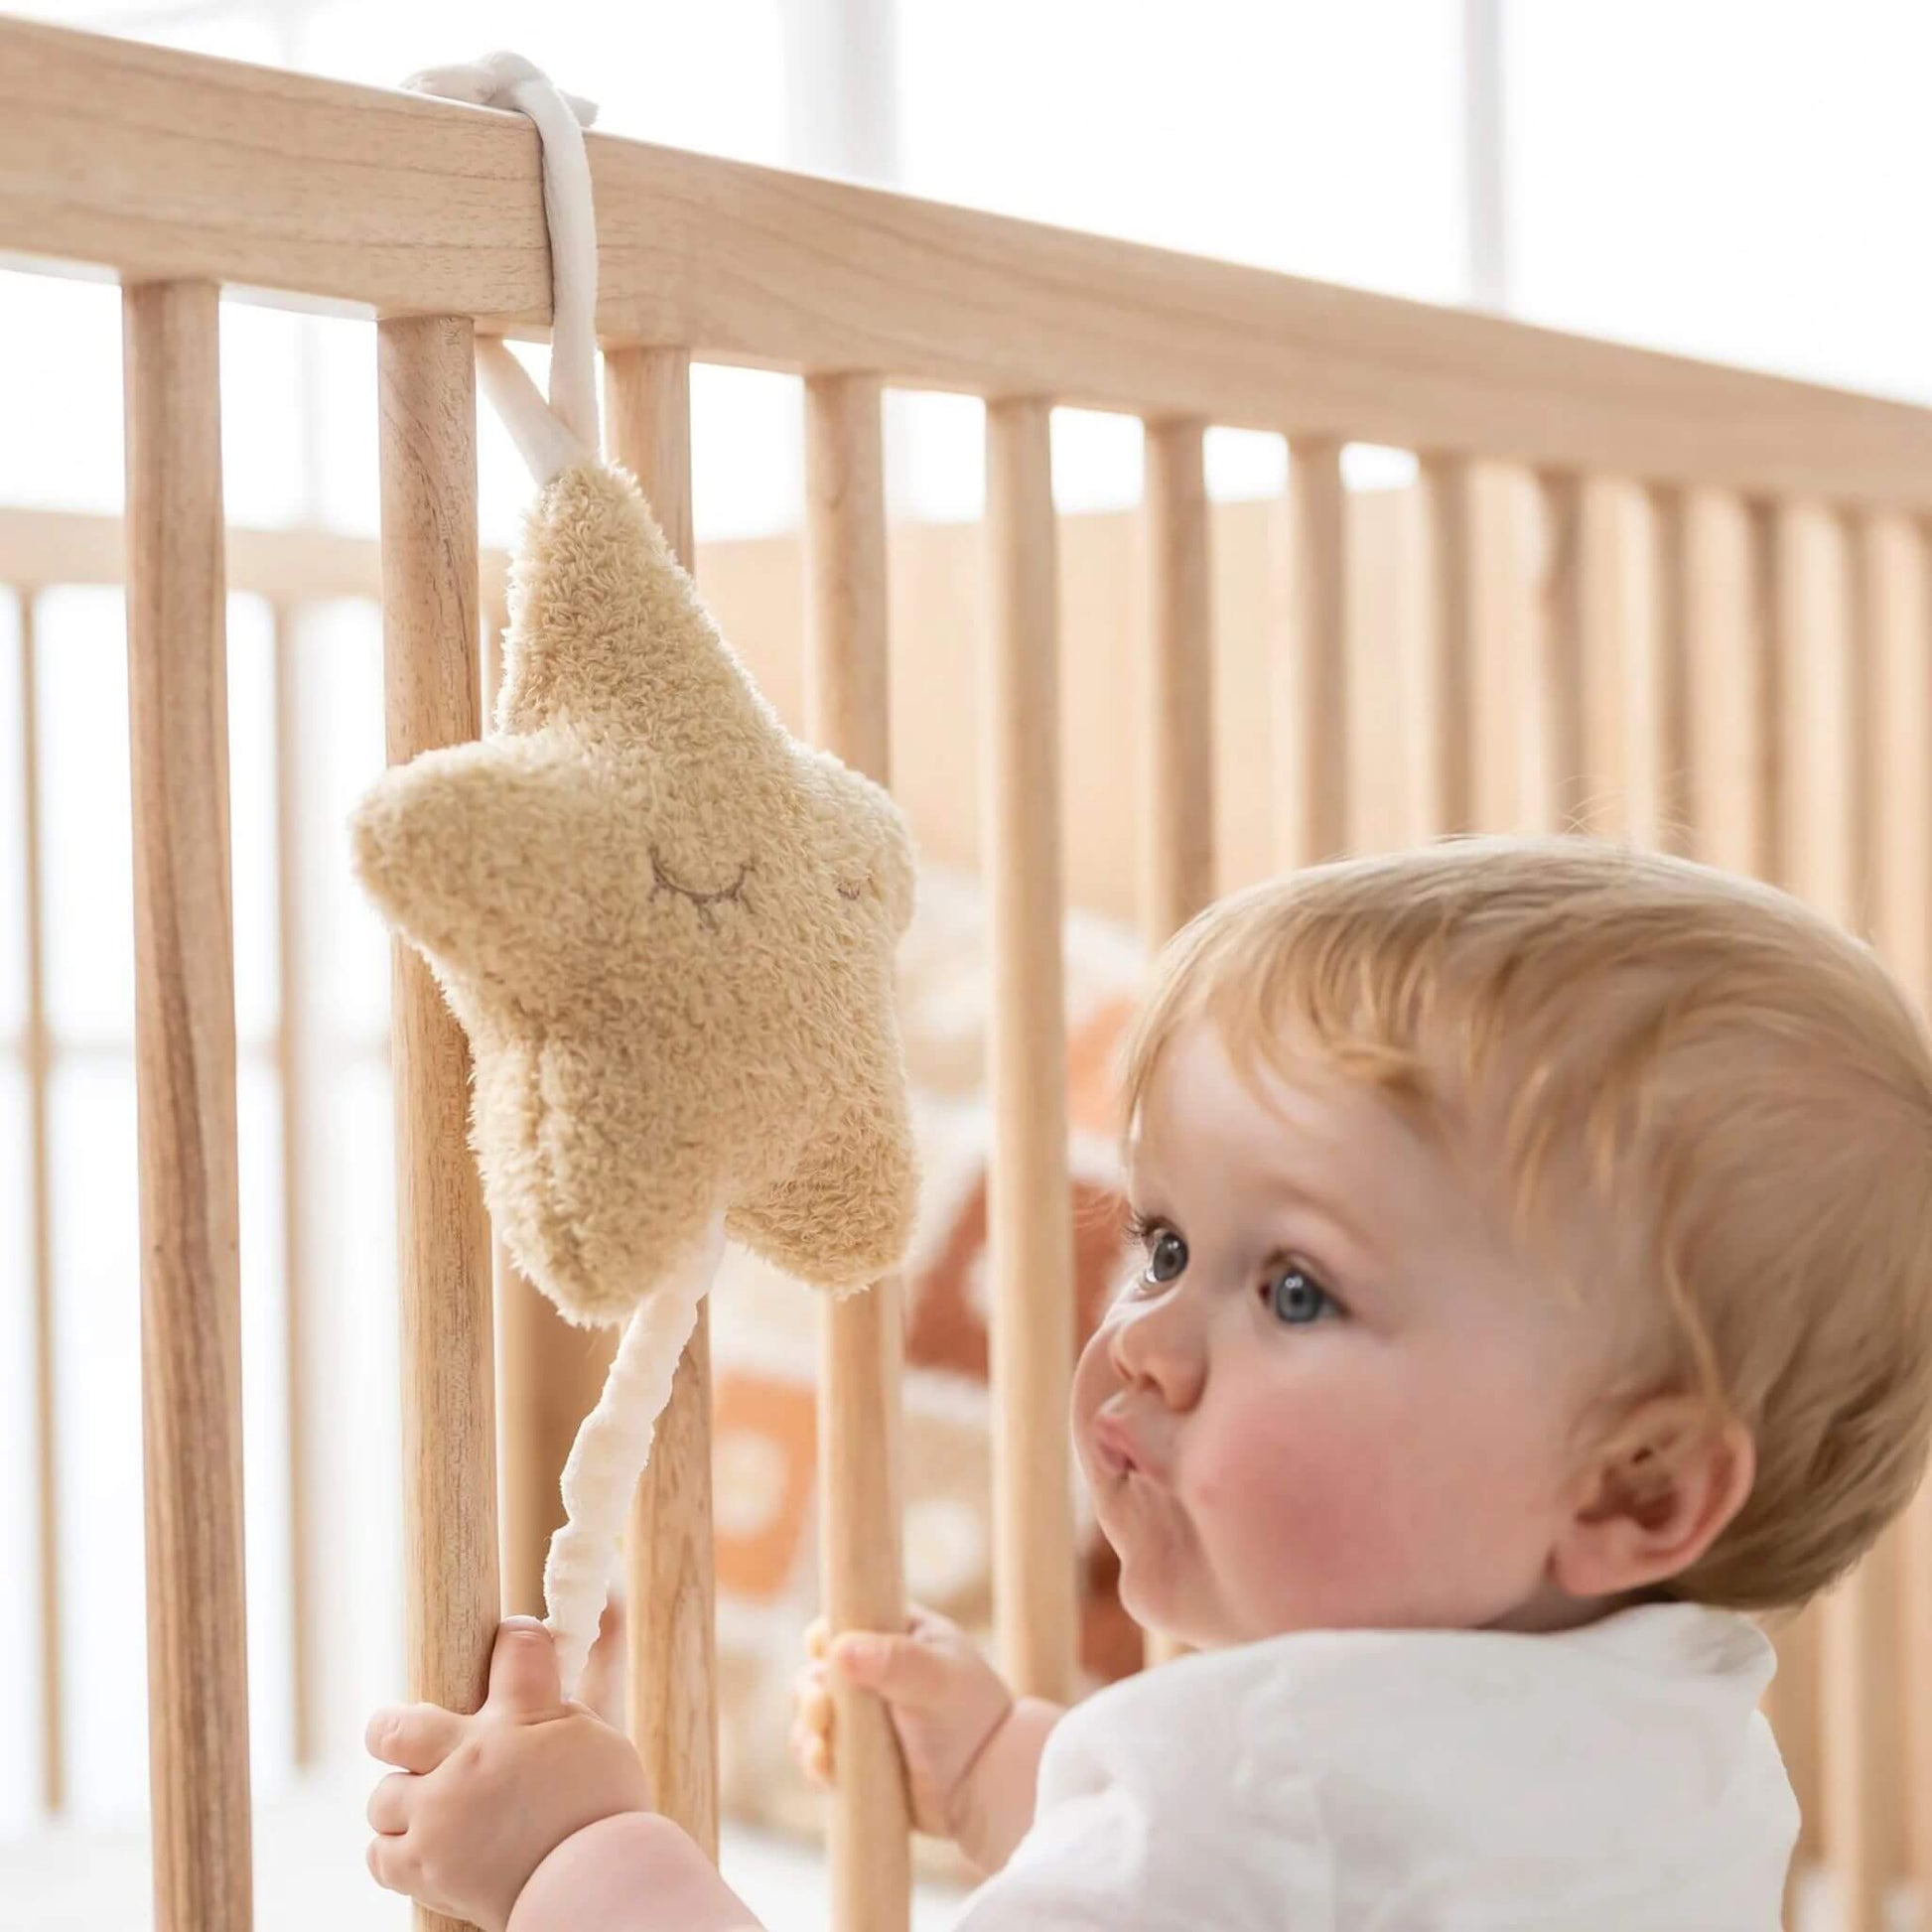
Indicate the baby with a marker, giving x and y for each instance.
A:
(1535, 1275)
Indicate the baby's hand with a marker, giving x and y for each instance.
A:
(947, 1702)
(480, 1802)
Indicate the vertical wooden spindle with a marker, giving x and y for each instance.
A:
(427, 384)
(863, 1336)
(1177, 826)
(307, 1572)
(1804, 776)
(672, 1592)
(1900, 804)
(40, 1186)
(1030, 1248)
(549, 1373)
(1560, 793)
(1668, 809)
(1311, 674)
(1449, 630)
(1825, 758)
(1771, 588)
(185, 1079)
(1727, 619)
(1177, 669)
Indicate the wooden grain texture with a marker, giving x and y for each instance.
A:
(1504, 509)
(38, 1056)
(938, 590)
(289, 566)
(672, 1589)
(1311, 675)
(1450, 628)
(1898, 564)
(549, 1373)
(308, 1569)
(184, 1082)
(1822, 1709)
(159, 162)
(1560, 785)
(1176, 835)
(1842, 600)
(426, 378)
(1030, 1244)
(1672, 633)
(862, 1340)
(1915, 1617)
(1176, 676)
(1729, 607)
(1617, 782)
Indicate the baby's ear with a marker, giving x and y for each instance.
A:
(1651, 1497)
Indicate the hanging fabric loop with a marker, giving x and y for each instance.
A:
(565, 432)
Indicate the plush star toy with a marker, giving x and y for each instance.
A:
(666, 926)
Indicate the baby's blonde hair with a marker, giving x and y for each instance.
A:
(1700, 1096)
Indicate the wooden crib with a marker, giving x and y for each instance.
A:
(1682, 603)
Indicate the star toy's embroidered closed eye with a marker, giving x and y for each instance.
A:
(666, 926)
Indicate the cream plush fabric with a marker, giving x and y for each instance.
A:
(668, 928)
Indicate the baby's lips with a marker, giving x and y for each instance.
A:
(1114, 1446)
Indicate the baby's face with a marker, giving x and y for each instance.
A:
(1334, 1396)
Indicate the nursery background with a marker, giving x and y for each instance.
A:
(1723, 178)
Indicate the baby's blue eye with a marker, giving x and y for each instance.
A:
(1297, 1297)
(1167, 1256)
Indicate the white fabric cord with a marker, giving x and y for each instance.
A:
(611, 1452)
(509, 80)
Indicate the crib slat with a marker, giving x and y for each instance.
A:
(1178, 701)
(671, 1620)
(1310, 670)
(1728, 599)
(1177, 826)
(1892, 628)
(863, 1336)
(1862, 1732)
(1668, 804)
(306, 1576)
(39, 1068)
(427, 383)
(1559, 793)
(1898, 565)
(1794, 1702)
(184, 1068)
(1449, 630)
(1814, 673)
(1030, 1247)
(548, 1373)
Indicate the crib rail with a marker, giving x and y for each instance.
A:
(157, 163)
(1726, 652)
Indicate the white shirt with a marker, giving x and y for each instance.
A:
(1617, 1778)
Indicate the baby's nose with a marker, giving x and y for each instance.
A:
(1158, 1344)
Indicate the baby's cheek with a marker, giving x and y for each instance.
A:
(1298, 1504)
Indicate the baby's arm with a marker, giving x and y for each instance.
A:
(972, 1752)
(634, 1872)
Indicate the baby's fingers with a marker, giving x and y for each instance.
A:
(389, 1801)
(903, 1670)
(812, 1723)
(414, 1736)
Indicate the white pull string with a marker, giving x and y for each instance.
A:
(509, 80)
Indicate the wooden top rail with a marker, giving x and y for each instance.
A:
(298, 564)
(156, 163)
